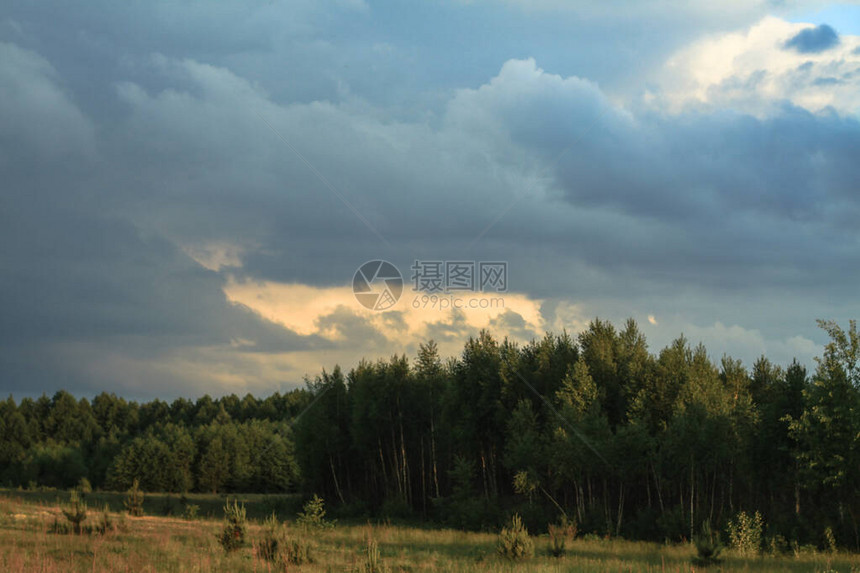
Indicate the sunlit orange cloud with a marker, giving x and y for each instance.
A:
(304, 309)
(236, 366)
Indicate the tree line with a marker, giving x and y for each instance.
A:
(211, 445)
(593, 427)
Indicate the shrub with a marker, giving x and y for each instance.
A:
(134, 500)
(514, 541)
(525, 484)
(313, 514)
(802, 550)
(297, 553)
(84, 486)
(777, 545)
(830, 540)
(372, 557)
(560, 534)
(277, 548)
(76, 511)
(60, 527)
(673, 524)
(272, 534)
(745, 532)
(708, 547)
(105, 523)
(191, 510)
(121, 524)
(232, 537)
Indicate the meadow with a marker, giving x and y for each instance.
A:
(180, 544)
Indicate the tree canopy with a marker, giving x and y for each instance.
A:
(594, 426)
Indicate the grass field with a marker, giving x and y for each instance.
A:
(175, 544)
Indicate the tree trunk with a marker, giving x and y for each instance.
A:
(334, 476)
(405, 465)
(382, 464)
(484, 474)
(657, 486)
(423, 482)
(433, 454)
(692, 490)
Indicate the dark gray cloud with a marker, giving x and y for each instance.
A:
(129, 140)
(76, 270)
(351, 330)
(513, 323)
(814, 40)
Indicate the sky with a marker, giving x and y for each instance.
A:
(188, 188)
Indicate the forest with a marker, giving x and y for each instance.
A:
(594, 427)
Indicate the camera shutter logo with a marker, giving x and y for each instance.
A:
(377, 285)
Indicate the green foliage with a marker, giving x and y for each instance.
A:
(560, 534)
(372, 557)
(745, 532)
(470, 513)
(53, 464)
(708, 547)
(464, 508)
(134, 500)
(191, 511)
(232, 536)
(578, 390)
(633, 443)
(84, 486)
(275, 547)
(800, 551)
(296, 552)
(269, 546)
(395, 508)
(514, 542)
(462, 474)
(827, 432)
(105, 523)
(312, 515)
(60, 527)
(830, 540)
(524, 448)
(777, 545)
(525, 484)
(75, 511)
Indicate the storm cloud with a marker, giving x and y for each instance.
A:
(178, 191)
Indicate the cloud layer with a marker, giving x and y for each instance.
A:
(179, 220)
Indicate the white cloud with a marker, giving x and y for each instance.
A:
(749, 344)
(754, 71)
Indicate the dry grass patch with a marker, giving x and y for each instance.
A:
(150, 544)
